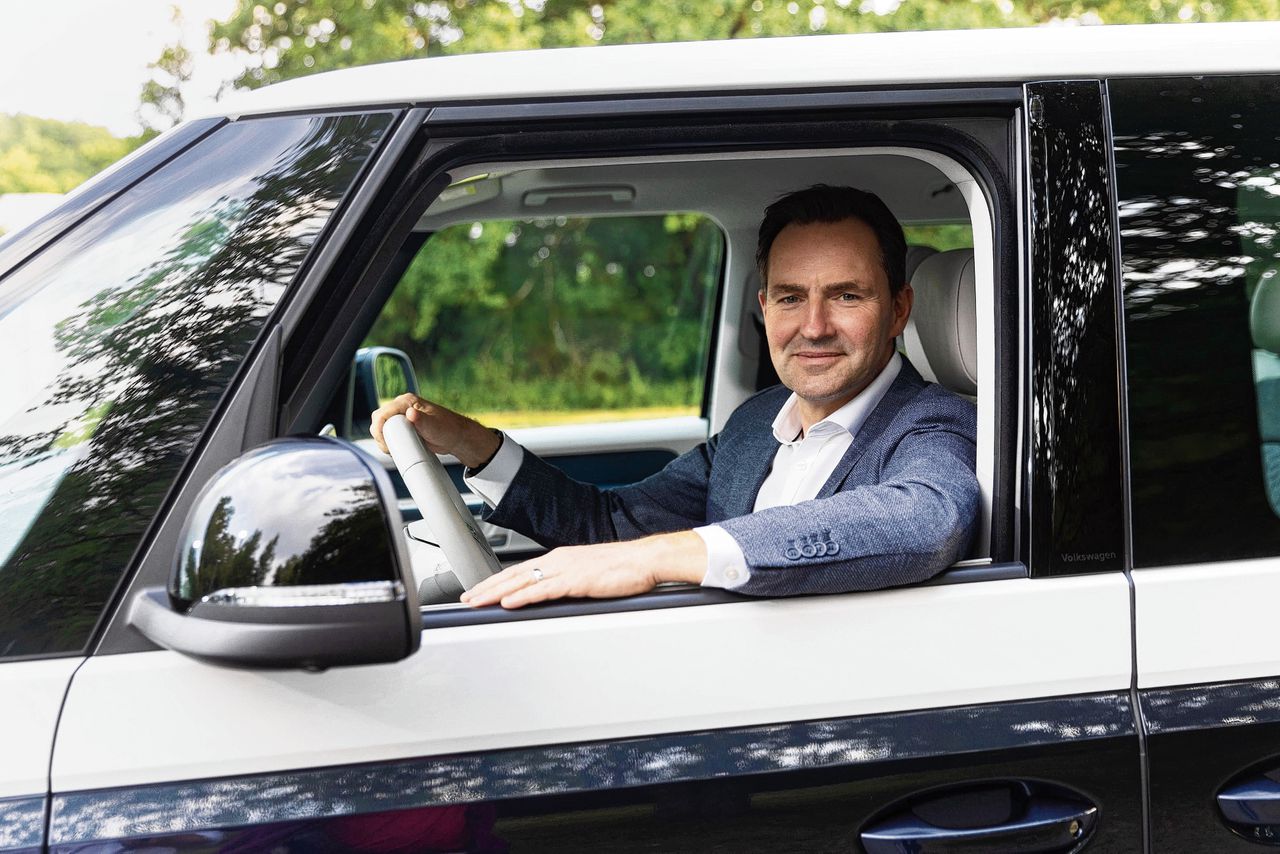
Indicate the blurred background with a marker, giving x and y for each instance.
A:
(91, 81)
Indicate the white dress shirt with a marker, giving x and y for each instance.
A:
(800, 467)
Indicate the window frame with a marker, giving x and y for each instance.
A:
(986, 227)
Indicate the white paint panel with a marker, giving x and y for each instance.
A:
(601, 676)
(1208, 623)
(775, 64)
(32, 693)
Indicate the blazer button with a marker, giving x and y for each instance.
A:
(792, 553)
(809, 550)
(822, 549)
(832, 547)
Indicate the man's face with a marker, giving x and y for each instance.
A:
(828, 314)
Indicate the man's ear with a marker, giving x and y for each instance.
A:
(760, 296)
(903, 300)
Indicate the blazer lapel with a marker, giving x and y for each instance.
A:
(755, 459)
(905, 386)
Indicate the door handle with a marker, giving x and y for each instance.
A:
(1046, 824)
(1252, 809)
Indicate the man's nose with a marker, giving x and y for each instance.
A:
(817, 320)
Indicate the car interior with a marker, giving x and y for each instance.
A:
(949, 339)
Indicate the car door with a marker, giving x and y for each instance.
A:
(1199, 210)
(991, 706)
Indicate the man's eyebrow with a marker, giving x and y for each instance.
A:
(830, 287)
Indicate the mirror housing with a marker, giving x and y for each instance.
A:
(377, 374)
(291, 556)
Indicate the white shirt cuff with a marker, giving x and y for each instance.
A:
(494, 479)
(726, 565)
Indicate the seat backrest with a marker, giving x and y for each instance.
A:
(941, 337)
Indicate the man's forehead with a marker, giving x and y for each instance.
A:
(825, 248)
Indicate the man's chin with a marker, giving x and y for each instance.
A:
(823, 393)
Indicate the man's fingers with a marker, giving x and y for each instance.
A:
(494, 588)
(402, 405)
(517, 586)
(548, 588)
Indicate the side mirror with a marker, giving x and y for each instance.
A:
(377, 374)
(291, 557)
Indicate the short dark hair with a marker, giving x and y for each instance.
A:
(824, 203)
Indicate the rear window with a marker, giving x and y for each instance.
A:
(1198, 168)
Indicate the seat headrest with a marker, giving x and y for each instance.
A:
(916, 254)
(941, 337)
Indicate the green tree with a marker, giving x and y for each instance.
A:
(291, 38)
(162, 103)
(49, 156)
(559, 313)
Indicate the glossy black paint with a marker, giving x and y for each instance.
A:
(22, 824)
(1251, 808)
(1197, 161)
(1204, 739)
(999, 817)
(1228, 704)
(1076, 485)
(861, 748)
(297, 511)
(737, 105)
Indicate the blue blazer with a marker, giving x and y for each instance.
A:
(900, 506)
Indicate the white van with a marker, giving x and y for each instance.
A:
(211, 637)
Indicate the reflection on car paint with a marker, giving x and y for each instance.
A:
(21, 824)
(126, 363)
(97, 816)
(1204, 707)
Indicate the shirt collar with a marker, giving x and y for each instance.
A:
(848, 418)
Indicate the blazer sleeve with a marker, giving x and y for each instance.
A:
(555, 510)
(916, 521)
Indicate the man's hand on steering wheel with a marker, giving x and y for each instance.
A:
(601, 571)
(443, 431)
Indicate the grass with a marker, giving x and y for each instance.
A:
(504, 420)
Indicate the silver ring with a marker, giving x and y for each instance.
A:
(537, 575)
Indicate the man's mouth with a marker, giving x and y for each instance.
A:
(817, 354)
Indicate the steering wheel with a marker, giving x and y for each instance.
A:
(455, 530)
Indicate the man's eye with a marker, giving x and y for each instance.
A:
(790, 299)
(849, 297)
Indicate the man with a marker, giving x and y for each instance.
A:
(854, 474)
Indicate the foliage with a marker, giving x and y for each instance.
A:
(559, 313)
(162, 104)
(291, 38)
(49, 156)
(940, 237)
